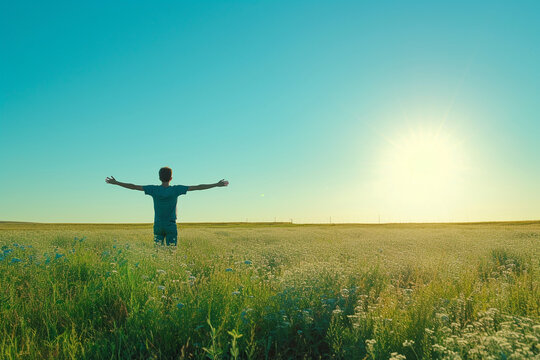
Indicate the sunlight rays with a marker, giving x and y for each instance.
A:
(420, 174)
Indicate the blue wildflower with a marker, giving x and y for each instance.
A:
(58, 256)
(179, 306)
(248, 262)
(15, 260)
(7, 251)
(228, 269)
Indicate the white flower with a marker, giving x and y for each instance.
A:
(370, 343)
(408, 343)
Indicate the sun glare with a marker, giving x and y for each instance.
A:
(420, 175)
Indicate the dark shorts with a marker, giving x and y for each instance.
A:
(167, 231)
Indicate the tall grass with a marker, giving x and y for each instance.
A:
(271, 292)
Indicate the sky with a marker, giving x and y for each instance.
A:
(315, 111)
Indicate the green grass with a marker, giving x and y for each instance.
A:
(270, 291)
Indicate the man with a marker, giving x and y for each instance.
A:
(165, 197)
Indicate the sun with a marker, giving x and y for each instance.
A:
(420, 175)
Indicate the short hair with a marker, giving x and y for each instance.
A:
(165, 174)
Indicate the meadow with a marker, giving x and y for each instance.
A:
(271, 291)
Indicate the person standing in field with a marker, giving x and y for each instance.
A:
(165, 197)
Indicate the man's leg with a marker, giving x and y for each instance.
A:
(159, 234)
(171, 234)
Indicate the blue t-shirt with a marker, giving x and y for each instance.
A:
(165, 201)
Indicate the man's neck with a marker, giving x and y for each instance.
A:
(165, 184)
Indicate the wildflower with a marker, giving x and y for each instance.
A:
(408, 343)
(161, 287)
(58, 256)
(179, 306)
(160, 271)
(236, 292)
(396, 356)
(337, 311)
(370, 343)
(248, 262)
(438, 348)
(228, 270)
(15, 260)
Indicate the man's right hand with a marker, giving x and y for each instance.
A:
(111, 180)
(222, 182)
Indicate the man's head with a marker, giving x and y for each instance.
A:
(165, 174)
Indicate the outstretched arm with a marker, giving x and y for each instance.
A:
(112, 180)
(220, 183)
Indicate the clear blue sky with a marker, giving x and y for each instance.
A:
(301, 105)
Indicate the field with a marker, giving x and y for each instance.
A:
(271, 291)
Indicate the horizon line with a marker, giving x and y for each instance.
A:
(522, 222)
